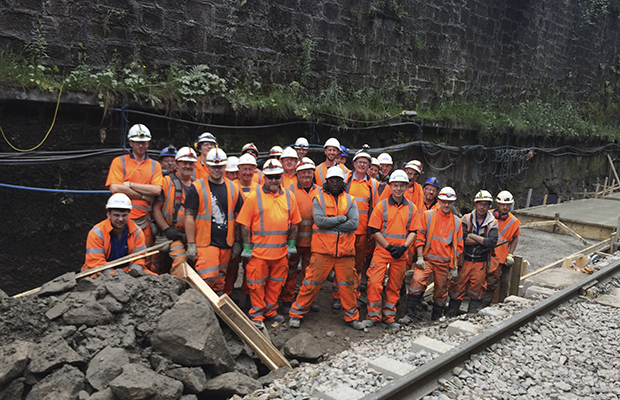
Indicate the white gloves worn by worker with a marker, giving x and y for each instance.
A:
(420, 264)
(192, 253)
(452, 275)
(509, 260)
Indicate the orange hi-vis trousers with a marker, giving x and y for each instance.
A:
(361, 242)
(288, 292)
(316, 273)
(171, 261)
(265, 279)
(419, 282)
(471, 281)
(231, 276)
(211, 266)
(386, 311)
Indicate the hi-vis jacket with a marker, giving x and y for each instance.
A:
(304, 202)
(442, 237)
(330, 236)
(366, 194)
(508, 228)
(172, 209)
(321, 172)
(488, 230)
(205, 214)
(98, 245)
(394, 221)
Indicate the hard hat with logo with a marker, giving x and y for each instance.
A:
(399, 176)
(249, 147)
(273, 167)
(335, 172)
(305, 163)
(275, 151)
(247, 159)
(433, 182)
(302, 143)
(232, 164)
(216, 157)
(289, 152)
(206, 137)
(483, 195)
(374, 161)
(384, 158)
(139, 133)
(332, 142)
(120, 201)
(169, 151)
(504, 197)
(447, 194)
(186, 154)
(344, 152)
(362, 154)
(415, 165)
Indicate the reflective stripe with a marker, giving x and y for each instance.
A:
(350, 313)
(438, 258)
(149, 208)
(389, 312)
(374, 313)
(508, 225)
(124, 168)
(278, 280)
(345, 283)
(136, 267)
(269, 233)
(95, 251)
(374, 304)
(270, 245)
(140, 248)
(362, 212)
(385, 219)
(98, 232)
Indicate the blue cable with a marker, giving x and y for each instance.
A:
(52, 190)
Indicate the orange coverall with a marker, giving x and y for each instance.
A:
(508, 228)
(98, 246)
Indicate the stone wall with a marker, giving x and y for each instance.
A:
(490, 49)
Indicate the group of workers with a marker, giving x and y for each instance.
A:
(370, 228)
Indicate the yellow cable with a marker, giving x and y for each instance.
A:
(46, 135)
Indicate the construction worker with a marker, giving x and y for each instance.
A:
(385, 162)
(501, 258)
(167, 160)
(374, 168)
(275, 152)
(232, 168)
(304, 190)
(301, 147)
(342, 157)
(211, 206)
(414, 190)
(480, 234)
(439, 245)
(204, 144)
(115, 237)
(333, 248)
(331, 148)
(393, 223)
(269, 220)
(140, 178)
(430, 190)
(250, 148)
(289, 161)
(168, 213)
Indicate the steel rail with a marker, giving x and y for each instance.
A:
(423, 380)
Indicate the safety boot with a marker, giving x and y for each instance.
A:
(412, 304)
(474, 306)
(437, 312)
(453, 308)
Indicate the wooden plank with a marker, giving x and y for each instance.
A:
(613, 168)
(515, 275)
(538, 224)
(574, 234)
(232, 315)
(605, 185)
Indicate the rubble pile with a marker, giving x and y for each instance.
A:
(121, 336)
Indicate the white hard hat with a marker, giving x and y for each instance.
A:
(289, 152)
(399, 176)
(232, 164)
(384, 158)
(247, 159)
(364, 155)
(332, 142)
(119, 200)
(305, 163)
(483, 195)
(249, 146)
(447, 193)
(275, 151)
(374, 161)
(415, 165)
(206, 137)
(335, 172)
(139, 133)
(273, 167)
(186, 154)
(504, 197)
(216, 157)
(302, 143)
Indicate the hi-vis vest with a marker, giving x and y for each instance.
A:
(365, 204)
(445, 249)
(507, 229)
(304, 202)
(98, 245)
(266, 239)
(393, 230)
(329, 241)
(321, 172)
(205, 212)
(173, 210)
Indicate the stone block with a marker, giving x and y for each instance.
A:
(430, 345)
(390, 366)
(608, 300)
(464, 327)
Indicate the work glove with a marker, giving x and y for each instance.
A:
(420, 264)
(192, 253)
(292, 246)
(400, 250)
(172, 234)
(247, 250)
(453, 274)
(236, 250)
(509, 260)
(391, 249)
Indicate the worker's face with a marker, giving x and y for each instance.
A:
(232, 175)
(413, 175)
(186, 169)
(361, 165)
(430, 192)
(504, 208)
(273, 182)
(331, 153)
(398, 190)
(139, 148)
(341, 159)
(301, 152)
(335, 184)
(289, 164)
(482, 207)
(385, 169)
(446, 206)
(373, 170)
(118, 218)
(168, 163)
(252, 153)
(216, 172)
(246, 172)
(305, 177)
(205, 147)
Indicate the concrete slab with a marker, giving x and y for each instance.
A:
(337, 392)
(430, 345)
(464, 327)
(594, 211)
(608, 300)
(557, 278)
(614, 196)
(391, 367)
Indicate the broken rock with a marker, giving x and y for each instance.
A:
(139, 382)
(232, 383)
(61, 284)
(65, 383)
(13, 360)
(302, 347)
(105, 366)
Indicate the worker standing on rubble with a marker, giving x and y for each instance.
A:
(305, 191)
(140, 178)
(210, 209)
(501, 258)
(439, 246)
(269, 220)
(115, 237)
(393, 223)
(289, 161)
(480, 234)
(333, 248)
(169, 213)
(331, 148)
(204, 144)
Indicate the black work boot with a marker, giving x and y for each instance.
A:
(412, 304)
(453, 308)
(437, 312)
(474, 306)
(486, 301)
